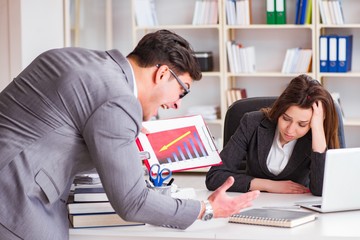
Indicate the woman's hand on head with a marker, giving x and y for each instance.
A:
(317, 128)
(318, 116)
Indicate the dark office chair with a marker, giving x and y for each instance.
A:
(237, 110)
(242, 106)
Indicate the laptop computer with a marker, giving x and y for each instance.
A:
(341, 178)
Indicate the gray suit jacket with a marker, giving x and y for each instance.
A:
(69, 111)
(252, 140)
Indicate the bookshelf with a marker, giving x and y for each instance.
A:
(89, 24)
(100, 25)
(271, 42)
(344, 83)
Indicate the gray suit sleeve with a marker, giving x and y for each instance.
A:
(110, 135)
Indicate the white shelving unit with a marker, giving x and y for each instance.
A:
(271, 43)
(89, 24)
(346, 84)
(100, 25)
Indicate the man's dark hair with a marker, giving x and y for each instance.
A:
(166, 47)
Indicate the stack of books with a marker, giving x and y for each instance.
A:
(235, 94)
(331, 12)
(205, 12)
(297, 60)
(241, 59)
(90, 207)
(238, 12)
(87, 178)
(145, 13)
(208, 112)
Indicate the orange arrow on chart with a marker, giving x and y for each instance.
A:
(165, 147)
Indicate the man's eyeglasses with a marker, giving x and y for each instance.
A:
(182, 84)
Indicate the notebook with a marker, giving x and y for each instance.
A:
(273, 217)
(341, 170)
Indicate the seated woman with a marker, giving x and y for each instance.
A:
(284, 145)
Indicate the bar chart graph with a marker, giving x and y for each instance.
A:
(182, 144)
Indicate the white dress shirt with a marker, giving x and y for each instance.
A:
(278, 156)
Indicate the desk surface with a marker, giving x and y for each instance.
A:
(341, 225)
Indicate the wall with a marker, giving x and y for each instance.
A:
(27, 28)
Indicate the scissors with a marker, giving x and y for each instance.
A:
(157, 175)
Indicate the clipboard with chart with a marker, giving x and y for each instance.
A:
(179, 143)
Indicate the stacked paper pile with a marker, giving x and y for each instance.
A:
(208, 112)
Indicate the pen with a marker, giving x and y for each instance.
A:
(170, 182)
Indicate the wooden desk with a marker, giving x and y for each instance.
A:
(342, 225)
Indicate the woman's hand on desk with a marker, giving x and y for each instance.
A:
(224, 205)
(271, 186)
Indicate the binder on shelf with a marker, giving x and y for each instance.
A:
(339, 12)
(229, 52)
(196, 15)
(333, 53)
(303, 6)
(145, 13)
(308, 12)
(344, 53)
(323, 54)
(332, 12)
(322, 12)
(242, 12)
(297, 12)
(280, 12)
(270, 12)
(248, 15)
(327, 18)
(205, 12)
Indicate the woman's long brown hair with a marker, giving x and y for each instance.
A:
(303, 91)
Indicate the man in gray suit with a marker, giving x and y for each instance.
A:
(72, 110)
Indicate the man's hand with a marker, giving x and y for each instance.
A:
(144, 130)
(224, 205)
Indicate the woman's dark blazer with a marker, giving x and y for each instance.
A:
(252, 141)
